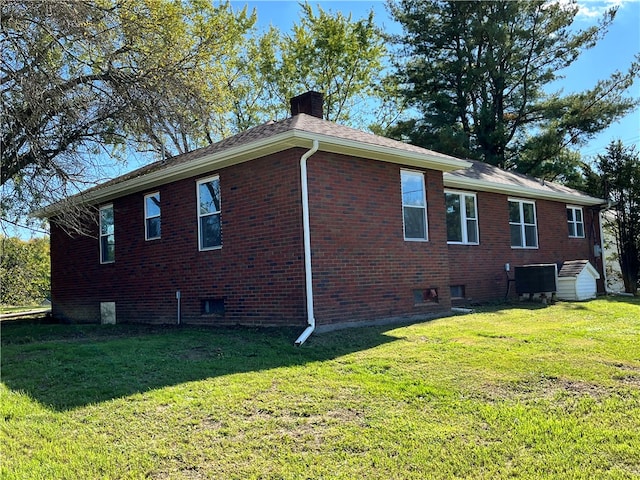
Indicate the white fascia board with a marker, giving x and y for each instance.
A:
(382, 153)
(517, 190)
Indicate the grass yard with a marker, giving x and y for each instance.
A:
(515, 391)
(17, 309)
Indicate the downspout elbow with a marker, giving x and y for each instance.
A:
(306, 233)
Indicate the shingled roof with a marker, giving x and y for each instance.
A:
(271, 137)
(573, 268)
(484, 177)
(301, 130)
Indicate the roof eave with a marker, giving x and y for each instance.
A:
(179, 171)
(517, 190)
(382, 153)
(256, 149)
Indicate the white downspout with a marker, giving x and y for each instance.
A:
(311, 321)
(602, 255)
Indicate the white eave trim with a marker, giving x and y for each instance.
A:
(260, 148)
(383, 153)
(518, 190)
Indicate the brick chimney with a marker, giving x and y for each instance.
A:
(309, 103)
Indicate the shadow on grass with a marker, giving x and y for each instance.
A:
(69, 366)
(631, 300)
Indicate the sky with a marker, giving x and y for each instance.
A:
(614, 52)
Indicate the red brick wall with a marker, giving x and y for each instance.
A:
(363, 269)
(259, 272)
(362, 266)
(480, 268)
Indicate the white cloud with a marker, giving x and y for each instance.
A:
(592, 9)
(595, 9)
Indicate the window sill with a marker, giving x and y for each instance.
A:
(209, 249)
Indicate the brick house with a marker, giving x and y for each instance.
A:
(521, 220)
(306, 222)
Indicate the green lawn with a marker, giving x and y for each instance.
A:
(16, 309)
(516, 391)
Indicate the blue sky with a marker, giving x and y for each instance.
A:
(614, 52)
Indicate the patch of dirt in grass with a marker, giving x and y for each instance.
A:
(305, 431)
(198, 353)
(632, 380)
(209, 423)
(190, 473)
(467, 341)
(578, 388)
(628, 375)
(547, 388)
(497, 336)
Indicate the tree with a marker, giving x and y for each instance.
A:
(616, 177)
(82, 80)
(24, 270)
(329, 53)
(479, 75)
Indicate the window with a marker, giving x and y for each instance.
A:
(462, 218)
(575, 221)
(522, 223)
(107, 235)
(414, 205)
(152, 216)
(429, 295)
(212, 306)
(209, 214)
(457, 291)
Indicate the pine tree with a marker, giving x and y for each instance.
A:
(478, 75)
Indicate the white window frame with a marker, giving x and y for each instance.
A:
(101, 235)
(463, 217)
(415, 173)
(200, 215)
(574, 222)
(523, 225)
(148, 217)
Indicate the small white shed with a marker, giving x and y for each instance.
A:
(577, 280)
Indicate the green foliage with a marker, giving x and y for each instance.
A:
(516, 392)
(328, 53)
(479, 73)
(616, 177)
(81, 79)
(84, 80)
(24, 271)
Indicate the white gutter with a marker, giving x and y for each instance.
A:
(311, 321)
